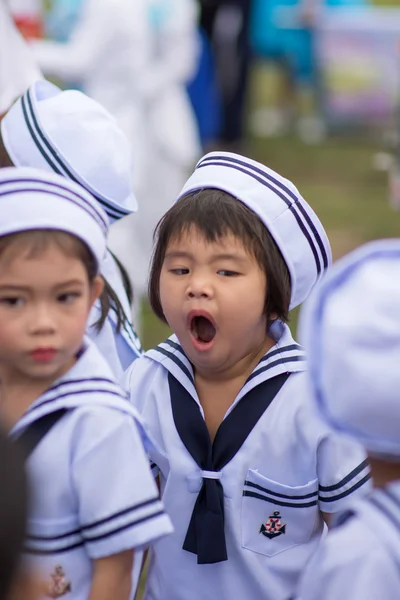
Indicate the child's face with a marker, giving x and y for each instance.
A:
(44, 305)
(213, 297)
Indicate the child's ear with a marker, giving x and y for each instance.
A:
(96, 289)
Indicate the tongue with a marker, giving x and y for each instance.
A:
(205, 329)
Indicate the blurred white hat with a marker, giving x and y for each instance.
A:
(72, 135)
(350, 328)
(34, 199)
(295, 227)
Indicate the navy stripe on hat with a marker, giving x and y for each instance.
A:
(55, 189)
(292, 201)
(55, 160)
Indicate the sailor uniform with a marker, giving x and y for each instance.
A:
(93, 493)
(272, 468)
(70, 134)
(360, 559)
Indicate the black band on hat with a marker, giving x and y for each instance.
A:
(292, 201)
(55, 161)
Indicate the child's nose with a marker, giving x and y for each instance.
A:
(199, 287)
(42, 320)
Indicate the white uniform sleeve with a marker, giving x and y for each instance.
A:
(119, 505)
(347, 567)
(177, 63)
(100, 21)
(342, 470)
(135, 382)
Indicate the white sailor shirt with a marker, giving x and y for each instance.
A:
(119, 348)
(360, 558)
(93, 494)
(287, 468)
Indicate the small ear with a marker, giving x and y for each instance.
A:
(97, 287)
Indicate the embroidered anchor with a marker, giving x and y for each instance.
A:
(273, 527)
(58, 585)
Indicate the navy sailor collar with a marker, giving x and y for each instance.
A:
(286, 356)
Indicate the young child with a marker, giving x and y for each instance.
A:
(94, 499)
(71, 134)
(351, 330)
(246, 470)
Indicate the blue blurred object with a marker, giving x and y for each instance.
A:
(204, 95)
(276, 33)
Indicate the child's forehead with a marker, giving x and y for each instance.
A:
(192, 236)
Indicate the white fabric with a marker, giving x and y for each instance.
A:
(361, 558)
(351, 331)
(290, 454)
(71, 134)
(17, 65)
(292, 223)
(33, 199)
(121, 348)
(82, 507)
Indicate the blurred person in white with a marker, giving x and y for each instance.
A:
(136, 58)
(17, 580)
(73, 135)
(17, 65)
(350, 329)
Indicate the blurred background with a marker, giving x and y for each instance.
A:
(311, 88)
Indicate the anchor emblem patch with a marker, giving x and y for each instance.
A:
(273, 527)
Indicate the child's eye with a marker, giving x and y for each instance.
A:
(179, 271)
(12, 301)
(68, 297)
(227, 273)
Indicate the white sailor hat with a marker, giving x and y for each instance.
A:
(34, 199)
(292, 223)
(71, 134)
(350, 328)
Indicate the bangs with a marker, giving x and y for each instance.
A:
(213, 215)
(31, 244)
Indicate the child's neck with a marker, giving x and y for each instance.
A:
(15, 399)
(383, 472)
(18, 393)
(217, 391)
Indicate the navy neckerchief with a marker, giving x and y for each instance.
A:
(206, 535)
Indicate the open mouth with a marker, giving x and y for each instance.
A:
(202, 329)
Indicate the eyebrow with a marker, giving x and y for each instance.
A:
(222, 256)
(26, 288)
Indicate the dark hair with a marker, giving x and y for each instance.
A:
(5, 160)
(110, 301)
(13, 512)
(215, 213)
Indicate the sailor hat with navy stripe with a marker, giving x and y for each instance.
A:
(292, 223)
(34, 199)
(72, 135)
(350, 328)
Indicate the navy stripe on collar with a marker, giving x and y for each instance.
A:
(172, 356)
(280, 189)
(51, 157)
